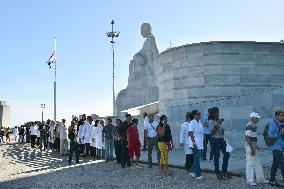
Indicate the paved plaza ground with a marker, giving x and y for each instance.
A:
(23, 167)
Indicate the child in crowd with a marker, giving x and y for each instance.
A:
(133, 142)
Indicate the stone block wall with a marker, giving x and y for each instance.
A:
(238, 77)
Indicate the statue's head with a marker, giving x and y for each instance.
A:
(146, 30)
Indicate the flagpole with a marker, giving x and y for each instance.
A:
(55, 78)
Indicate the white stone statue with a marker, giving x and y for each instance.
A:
(143, 67)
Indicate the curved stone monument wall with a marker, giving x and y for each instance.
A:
(215, 70)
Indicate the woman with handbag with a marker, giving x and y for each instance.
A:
(218, 143)
(165, 144)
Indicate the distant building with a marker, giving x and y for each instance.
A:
(4, 114)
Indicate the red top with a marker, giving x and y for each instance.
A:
(133, 135)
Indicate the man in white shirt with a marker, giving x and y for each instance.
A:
(253, 165)
(150, 130)
(87, 135)
(33, 134)
(195, 131)
(184, 143)
(63, 138)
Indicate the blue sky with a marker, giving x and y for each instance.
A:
(84, 62)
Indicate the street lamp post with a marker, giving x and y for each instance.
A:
(42, 107)
(112, 35)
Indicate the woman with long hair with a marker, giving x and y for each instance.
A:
(218, 143)
(164, 143)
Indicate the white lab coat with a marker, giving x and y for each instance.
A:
(15, 132)
(81, 134)
(87, 132)
(184, 138)
(51, 134)
(99, 137)
(93, 136)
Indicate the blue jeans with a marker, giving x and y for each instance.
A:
(196, 163)
(219, 144)
(109, 146)
(278, 161)
(207, 139)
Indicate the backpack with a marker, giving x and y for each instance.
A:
(268, 141)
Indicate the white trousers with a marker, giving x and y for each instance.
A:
(63, 146)
(253, 166)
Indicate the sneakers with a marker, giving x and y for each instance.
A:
(192, 174)
(199, 178)
(275, 184)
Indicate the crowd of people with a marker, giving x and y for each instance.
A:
(195, 135)
(97, 139)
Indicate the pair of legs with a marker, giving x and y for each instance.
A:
(109, 145)
(124, 154)
(219, 144)
(99, 153)
(164, 158)
(134, 149)
(117, 147)
(151, 143)
(33, 138)
(73, 148)
(87, 147)
(189, 159)
(1, 139)
(93, 151)
(253, 166)
(207, 139)
(196, 162)
(8, 138)
(278, 162)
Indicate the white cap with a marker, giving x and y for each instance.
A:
(253, 114)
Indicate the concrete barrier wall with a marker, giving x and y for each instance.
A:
(238, 77)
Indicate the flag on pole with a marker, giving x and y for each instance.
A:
(51, 60)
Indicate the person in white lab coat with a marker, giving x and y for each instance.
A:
(63, 138)
(87, 135)
(80, 129)
(93, 139)
(51, 138)
(99, 139)
(184, 143)
(81, 142)
(15, 133)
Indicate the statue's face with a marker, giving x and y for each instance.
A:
(145, 30)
